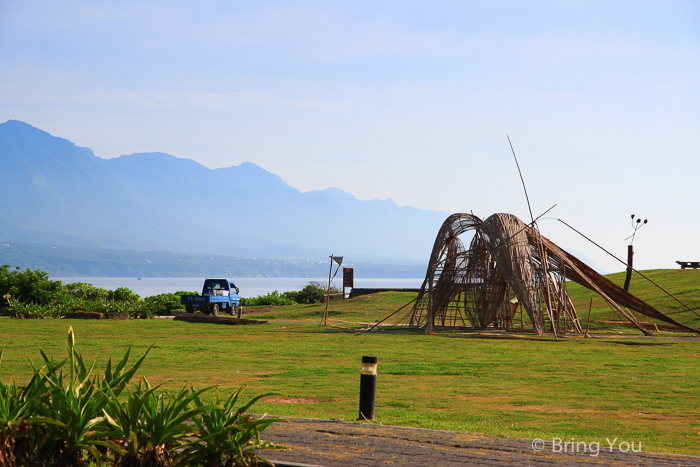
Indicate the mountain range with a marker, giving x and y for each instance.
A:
(55, 192)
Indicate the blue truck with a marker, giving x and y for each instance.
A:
(217, 295)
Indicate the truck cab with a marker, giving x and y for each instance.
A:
(219, 287)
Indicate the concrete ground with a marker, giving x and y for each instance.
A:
(332, 443)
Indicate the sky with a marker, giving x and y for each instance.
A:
(409, 101)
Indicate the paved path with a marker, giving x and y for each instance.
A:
(332, 443)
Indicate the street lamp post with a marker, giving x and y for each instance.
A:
(630, 251)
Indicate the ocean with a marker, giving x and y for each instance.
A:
(250, 286)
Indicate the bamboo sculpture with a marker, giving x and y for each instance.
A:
(509, 264)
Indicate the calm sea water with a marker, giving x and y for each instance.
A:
(250, 286)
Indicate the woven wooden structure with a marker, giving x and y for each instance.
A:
(508, 265)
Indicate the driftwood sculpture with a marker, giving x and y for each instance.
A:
(509, 264)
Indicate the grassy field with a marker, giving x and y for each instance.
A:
(585, 389)
(684, 284)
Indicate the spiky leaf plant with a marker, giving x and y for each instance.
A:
(69, 415)
(227, 436)
(72, 422)
(154, 424)
(16, 407)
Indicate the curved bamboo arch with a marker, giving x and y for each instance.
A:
(509, 262)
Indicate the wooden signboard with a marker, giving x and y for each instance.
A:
(347, 281)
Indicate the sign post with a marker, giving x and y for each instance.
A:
(348, 282)
(339, 260)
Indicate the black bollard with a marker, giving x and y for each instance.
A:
(368, 387)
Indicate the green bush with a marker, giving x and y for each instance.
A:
(35, 296)
(227, 435)
(273, 298)
(164, 303)
(27, 286)
(30, 294)
(69, 415)
(122, 294)
(312, 293)
(88, 292)
(18, 309)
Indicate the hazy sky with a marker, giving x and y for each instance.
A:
(404, 100)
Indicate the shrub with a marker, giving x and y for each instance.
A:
(30, 294)
(313, 292)
(88, 292)
(273, 298)
(17, 309)
(163, 303)
(122, 294)
(35, 296)
(136, 309)
(27, 286)
(227, 435)
(67, 415)
(57, 418)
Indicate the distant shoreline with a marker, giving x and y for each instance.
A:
(249, 286)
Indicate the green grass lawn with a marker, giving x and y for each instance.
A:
(585, 389)
(684, 284)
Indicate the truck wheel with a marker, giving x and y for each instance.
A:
(189, 309)
(231, 310)
(215, 309)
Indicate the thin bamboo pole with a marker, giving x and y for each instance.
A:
(522, 324)
(590, 307)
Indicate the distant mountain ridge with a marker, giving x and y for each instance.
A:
(54, 191)
(72, 261)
